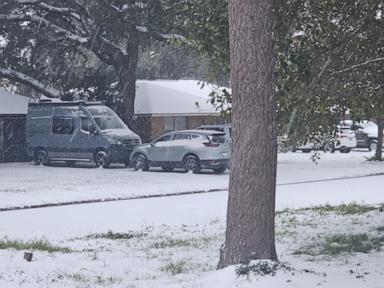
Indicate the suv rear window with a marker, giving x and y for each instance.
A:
(217, 138)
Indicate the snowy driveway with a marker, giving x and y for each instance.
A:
(23, 184)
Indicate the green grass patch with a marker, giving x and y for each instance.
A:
(77, 277)
(174, 243)
(40, 245)
(342, 243)
(344, 209)
(175, 268)
(116, 236)
(261, 267)
(106, 281)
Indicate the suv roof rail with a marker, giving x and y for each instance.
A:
(47, 102)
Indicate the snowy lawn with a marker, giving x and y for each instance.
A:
(24, 184)
(174, 242)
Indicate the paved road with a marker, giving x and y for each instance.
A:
(69, 221)
(89, 201)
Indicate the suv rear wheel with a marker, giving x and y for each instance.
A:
(192, 163)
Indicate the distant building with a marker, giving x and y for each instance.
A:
(13, 109)
(167, 105)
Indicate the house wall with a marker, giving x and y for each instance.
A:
(13, 145)
(157, 123)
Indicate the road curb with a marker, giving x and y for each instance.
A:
(90, 201)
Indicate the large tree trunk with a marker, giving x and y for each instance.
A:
(379, 148)
(250, 230)
(126, 70)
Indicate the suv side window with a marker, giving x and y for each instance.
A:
(195, 136)
(181, 136)
(166, 137)
(63, 125)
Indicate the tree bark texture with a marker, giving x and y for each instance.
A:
(250, 230)
(126, 70)
(379, 148)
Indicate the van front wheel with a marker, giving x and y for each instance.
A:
(101, 159)
(41, 157)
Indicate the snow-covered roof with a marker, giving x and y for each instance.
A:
(156, 97)
(173, 97)
(11, 104)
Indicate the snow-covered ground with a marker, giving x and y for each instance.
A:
(174, 241)
(23, 184)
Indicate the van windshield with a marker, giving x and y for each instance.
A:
(105, 118)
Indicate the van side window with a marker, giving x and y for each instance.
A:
(63, 125)
(85, 124)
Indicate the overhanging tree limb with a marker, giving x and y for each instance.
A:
(40, 20)
(360, 64)
(163, 36)
(30, 82)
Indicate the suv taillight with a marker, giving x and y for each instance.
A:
(211, 144)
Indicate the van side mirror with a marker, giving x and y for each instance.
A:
(92, 130)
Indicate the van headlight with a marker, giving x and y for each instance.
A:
(115, 142)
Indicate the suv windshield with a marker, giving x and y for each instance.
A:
(105, 118)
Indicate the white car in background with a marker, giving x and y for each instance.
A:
(366, 133)
(344, 141)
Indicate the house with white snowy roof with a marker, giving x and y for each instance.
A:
(167, 105)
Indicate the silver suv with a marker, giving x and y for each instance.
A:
(225, 128)
(191, 150)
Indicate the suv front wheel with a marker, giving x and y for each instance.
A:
(140, 162)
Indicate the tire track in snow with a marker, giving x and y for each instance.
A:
(100, 200)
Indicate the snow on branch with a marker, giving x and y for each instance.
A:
(40, 20)
(29, 81)
(360, 64)
(163, 36)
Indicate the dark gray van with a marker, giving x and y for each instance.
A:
(74, 131)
